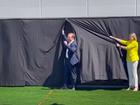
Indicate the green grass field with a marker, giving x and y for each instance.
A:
(46, 96)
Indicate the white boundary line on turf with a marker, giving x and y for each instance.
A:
(46, 97)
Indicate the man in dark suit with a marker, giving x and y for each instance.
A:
(71, 59)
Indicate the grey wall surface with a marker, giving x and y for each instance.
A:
(68, 8)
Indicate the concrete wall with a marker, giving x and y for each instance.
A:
(68, 8)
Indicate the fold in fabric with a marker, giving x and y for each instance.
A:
(31, 50)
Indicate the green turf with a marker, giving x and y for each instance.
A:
(45, 96)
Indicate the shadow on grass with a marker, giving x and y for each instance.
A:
(92, 89)
(56, 104)
(89, 88)
(46, 88)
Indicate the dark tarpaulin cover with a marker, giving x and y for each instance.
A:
(31, 50)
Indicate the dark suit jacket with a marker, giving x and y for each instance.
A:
(72, 55)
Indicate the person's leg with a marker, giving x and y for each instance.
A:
(66, 73)
(135, 75)
(73, 76)
(130, 78)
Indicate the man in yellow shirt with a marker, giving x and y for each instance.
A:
(132, 59)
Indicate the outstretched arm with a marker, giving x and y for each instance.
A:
(124, 42)
(123, 47)
(117, 39)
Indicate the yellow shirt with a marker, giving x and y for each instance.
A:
(132, 50)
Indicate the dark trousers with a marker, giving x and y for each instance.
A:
(70, 73)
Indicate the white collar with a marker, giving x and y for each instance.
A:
(71, 42)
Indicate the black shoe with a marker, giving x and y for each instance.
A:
(64, 87)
